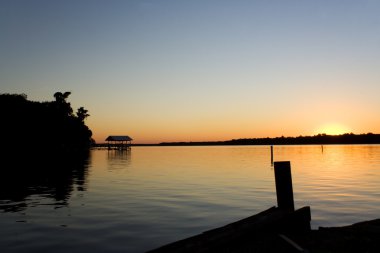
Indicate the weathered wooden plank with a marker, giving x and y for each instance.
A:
(255, 232)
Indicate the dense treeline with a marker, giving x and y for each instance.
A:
(348, 138)
(42, 127)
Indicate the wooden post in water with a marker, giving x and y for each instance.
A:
(271, 154)
(284, 187)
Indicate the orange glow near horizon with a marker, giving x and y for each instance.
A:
(147, 136)
(153, 131)
(333, 129)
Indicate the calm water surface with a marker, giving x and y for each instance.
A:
(138, 200)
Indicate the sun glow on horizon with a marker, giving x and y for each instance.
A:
(333, 129)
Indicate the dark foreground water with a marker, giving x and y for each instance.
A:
(149, 196)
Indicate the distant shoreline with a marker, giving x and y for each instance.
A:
(320, 139)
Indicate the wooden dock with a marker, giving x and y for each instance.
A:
(268, 231)
(281, 229)
(274, 231)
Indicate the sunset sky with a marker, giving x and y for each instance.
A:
(199, 70)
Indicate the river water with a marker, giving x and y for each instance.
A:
(137, 200)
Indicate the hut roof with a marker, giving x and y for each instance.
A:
(119, 138)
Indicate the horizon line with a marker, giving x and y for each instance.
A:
(251, 138)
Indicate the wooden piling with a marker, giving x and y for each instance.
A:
(284, 188)
(271, 154)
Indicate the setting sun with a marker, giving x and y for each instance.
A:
(333, 129)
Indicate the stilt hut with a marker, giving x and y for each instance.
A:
(119, 142)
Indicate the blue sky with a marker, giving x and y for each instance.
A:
(199, 70)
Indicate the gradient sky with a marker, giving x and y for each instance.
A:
(199, 70)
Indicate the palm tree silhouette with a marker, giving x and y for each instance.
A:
(82, 114)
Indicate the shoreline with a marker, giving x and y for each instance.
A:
(105, 145)
(320, 139)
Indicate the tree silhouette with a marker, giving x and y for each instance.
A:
(51, 126)
(63, 106)
(82, 114)
(61, 97)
